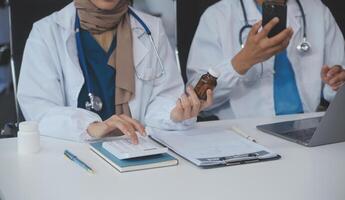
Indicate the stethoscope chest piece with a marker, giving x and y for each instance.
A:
(304, 47)
(94, 104)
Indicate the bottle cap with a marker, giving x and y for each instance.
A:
(30, 126)
(214, 73)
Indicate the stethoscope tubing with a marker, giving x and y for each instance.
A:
(303, 18)
(149, 33)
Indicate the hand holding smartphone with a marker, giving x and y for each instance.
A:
(272, 9)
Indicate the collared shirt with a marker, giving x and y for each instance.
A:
(286, 95)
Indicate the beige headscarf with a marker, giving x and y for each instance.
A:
(103, 24)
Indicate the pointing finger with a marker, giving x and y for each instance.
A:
(127, 129)
(139, 127)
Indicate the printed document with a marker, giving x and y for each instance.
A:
(211, 146)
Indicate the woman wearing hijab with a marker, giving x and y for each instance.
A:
(91, 70)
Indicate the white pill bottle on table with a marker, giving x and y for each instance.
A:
(28, 141)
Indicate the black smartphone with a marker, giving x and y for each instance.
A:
(272, 9)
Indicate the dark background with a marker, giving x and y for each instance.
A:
(24, 12)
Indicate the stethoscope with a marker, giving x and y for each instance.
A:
(304, 46)
(95, 103)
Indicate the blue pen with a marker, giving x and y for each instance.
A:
(76, 160)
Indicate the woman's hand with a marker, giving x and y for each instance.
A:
(123, 123)
(259, 47)
(333, 76)
(189, 105)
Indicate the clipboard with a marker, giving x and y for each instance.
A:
(230, 163)
(212, 147)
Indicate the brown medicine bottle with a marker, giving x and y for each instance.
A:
(207, 81)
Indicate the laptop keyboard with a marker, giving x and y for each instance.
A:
(301, 135)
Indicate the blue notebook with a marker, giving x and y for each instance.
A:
(148, 162)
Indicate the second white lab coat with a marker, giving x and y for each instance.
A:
(216, 42)
(51, 78)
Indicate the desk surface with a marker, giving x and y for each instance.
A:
(302, 173)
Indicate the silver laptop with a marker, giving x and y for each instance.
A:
(313, 132)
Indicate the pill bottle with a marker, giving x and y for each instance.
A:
(207, 81)
(28, 141)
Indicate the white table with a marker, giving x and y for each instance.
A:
(302, 173)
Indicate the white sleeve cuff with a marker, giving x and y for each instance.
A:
(159, 116)
(68, 123)
(328, 93)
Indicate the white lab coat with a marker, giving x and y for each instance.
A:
(216, 42)
(51, 78)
